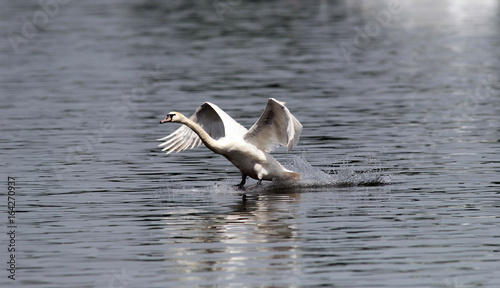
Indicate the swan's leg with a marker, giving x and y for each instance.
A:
(242, 183)
(256, 184)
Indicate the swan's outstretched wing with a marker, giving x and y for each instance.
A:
(275, 126)
(212, 119)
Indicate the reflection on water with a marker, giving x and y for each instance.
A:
(263, 236)
(399, 152)
(253, 237)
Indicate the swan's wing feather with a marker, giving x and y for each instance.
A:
(182, 137)
(212, 119)
(231, 127)
(275, 126)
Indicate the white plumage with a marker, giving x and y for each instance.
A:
(248, 150)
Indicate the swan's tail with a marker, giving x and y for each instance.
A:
(293, 176)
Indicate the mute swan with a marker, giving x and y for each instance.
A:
(248, 150)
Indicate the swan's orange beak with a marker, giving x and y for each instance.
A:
(168, 118)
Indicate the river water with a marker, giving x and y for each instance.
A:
(399, 152)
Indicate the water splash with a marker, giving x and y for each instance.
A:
(345, 176)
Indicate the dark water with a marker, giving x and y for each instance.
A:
(399, 152)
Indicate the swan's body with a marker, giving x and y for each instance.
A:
(248, 150)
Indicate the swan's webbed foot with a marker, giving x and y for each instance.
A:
(242, 183)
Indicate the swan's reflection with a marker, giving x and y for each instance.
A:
(254, 237)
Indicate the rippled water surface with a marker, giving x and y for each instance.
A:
(399, 153)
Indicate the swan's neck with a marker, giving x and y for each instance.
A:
(205, 138)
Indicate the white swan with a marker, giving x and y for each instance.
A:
(248, 150)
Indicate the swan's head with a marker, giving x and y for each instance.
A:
(172, 117)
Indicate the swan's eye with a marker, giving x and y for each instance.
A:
(171, 116)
